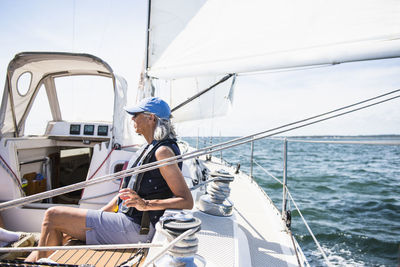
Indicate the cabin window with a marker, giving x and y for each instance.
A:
(23, 83)
(39, 114)
(85, 98)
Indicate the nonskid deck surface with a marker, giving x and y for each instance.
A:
(269, 242)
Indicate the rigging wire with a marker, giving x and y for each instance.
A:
(73, 24)
(301, 215)
(76, 247)
(309, 230)
(196, 153)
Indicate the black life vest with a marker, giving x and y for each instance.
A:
(149, 185)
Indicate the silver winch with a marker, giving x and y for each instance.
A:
(216, 202)
(182, 253)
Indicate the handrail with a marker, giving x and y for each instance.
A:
(197, 153)
(267, 172)
(309, 229)
(286, 189)
(389, 142)
(102, 247)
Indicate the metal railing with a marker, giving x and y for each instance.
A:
(285, 189)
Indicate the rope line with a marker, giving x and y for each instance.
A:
(193, 154)
(267, 172)
(101, 165)
(8, 169)
(309, 229)
(391, 142)
(301, 215)
(102, 247)
(291, 198)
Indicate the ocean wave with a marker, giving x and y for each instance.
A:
(344, 249)
(349, 195)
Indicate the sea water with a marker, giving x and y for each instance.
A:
(348, 193)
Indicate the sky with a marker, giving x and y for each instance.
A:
(115, 32)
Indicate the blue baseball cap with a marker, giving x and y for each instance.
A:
(153, 105)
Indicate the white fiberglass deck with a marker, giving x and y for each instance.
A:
(254, 235)
(269, 243)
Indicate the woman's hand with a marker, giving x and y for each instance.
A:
(132, 199)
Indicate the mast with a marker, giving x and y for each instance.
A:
(147, 39)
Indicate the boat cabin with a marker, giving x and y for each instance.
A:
(58, 124)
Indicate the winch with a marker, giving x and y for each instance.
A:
(182, 253)
(216, 202)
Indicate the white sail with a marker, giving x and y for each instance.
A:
(239, 36)
(213, 103)
(168, 19)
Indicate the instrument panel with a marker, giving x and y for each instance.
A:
(79, 130)
(88, 129)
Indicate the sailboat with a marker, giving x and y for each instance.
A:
(195, 52)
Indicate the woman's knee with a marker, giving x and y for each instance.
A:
(64, 217)
(52, 215)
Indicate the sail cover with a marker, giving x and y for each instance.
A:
(239, 36)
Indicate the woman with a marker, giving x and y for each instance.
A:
(142, 200)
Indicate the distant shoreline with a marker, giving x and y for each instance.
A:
(386, 136)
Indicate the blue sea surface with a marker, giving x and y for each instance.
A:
(348, 193)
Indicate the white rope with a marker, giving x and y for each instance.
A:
(102, 247)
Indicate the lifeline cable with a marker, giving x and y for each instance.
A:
(301, 215)
(197, 153)
(102, 247)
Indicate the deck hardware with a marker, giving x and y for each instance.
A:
(216, 202)
(288, 219)
(182, 253)
(237, 168)
(284, 191)
(251, 159)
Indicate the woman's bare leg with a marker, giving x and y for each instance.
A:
(1, 222)
(56, 221)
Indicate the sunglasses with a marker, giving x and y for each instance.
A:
(137, 114)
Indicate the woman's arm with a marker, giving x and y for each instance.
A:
(176, 182)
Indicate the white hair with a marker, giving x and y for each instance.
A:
(164, 129)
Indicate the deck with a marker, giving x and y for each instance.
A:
(270, 244)
(90, 257)
(95, 257)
